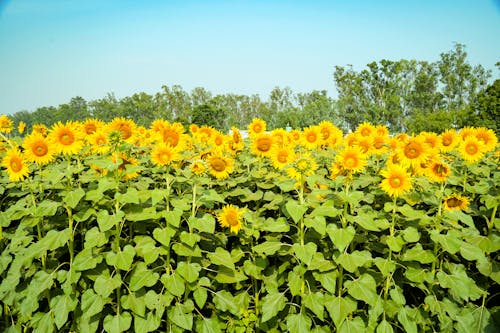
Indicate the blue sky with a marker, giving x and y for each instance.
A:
(53, 50)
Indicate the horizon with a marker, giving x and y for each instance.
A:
(53, 51)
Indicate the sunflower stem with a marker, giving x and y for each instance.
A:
(491, 222)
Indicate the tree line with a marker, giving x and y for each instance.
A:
(404, 95)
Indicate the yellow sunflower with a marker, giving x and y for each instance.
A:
(381, 130)
(235, 142)
(193, 128)
(380, 143)
(126, 127)
(125, 172)
(38, 149)
(198, 167)
(66, 138)
(232, 217)
(16, 165)
(455, 202)
(335, 138)
(220, 166)
(256, 127)
(449, 140)
(413, 152)
(487, 137)
(174, 136)
(438, 171)
(99, 142)
(21, 127)
(163, 154)
(262, 144)
(5, 124)
(159, 124)
(280, 137)
(218, 141)
(91, 125)
(471, 149)
(365, 129)
(432, 140)
(466, 132)
(281, 156)
(351, 159)
(396, 180)
(326, 129)
(303, 166)
(311, 137)
(40, 128)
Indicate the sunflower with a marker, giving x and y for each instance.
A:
(280, 137)
(351, 159)
(5, 124)
(365, 144)
(432, 140)
(396, 180)
(262, 144)
(466, 132)
(311, 137)
(218, 141)
(449, 139)
(91, 125)
(198, 167)
(303, 166)
(326, 129)
(16, 165)
(231, 216)
(471, 149)
(413, 152)
(295, 135)
(379, 144)
(67, 138)
(365, 129)
(235, 142)
(220, 166)
(438, 171)
(256, 127)
(40, 128)
(159, 124)
(381, 130)
(193, 128)
(335, 138)
(487, 137)
(38, 149)
(99, 142)
(455, 202)
(126, 127)
(21, 127)
(281, 157)
(163, 154)
(125, 172)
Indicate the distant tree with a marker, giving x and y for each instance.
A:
(105, 108)
(139, 107)
(487, 108)
(209, 115)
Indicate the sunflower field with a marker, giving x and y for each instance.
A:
(113, 227)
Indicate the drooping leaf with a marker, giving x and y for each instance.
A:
(272, 304)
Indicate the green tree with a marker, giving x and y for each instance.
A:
(209, 115)
(487, 108)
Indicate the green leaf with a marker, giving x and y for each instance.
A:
(352, 326)
(72, 198)
(208, 325)
(145, 247)
(174, 284)
(200, 296)
(221, 257)
(150, 323)
(395, 243)
(189, 239)
(295, 280)
(163, 235)
(142, 276)
(272, 304)
(118, 323)
(275, 225)
(95, 238)
(224, 301)
(177, 315)
(407, 321)
(371, 221)
(105, 284)
(45, 208)
(91, 303)
(318, 223)
(189, 271)
(129, 197)
(315, 302)
(397, 295)
(351, 261)
(320, 263)
(339, 308)
(327, 279)
(295, 210)
(173, 217)
(204, 224)
(62, 305)
(326, 210)
(460, 285)
(417, 253)
(411, 235)
(43, 322)
(86, 259)
(341, 238)
(226, 275)
(471, 252)
(364, 289)
(122, 259)
(298, 323)
(106, 221)
(385, 266)
(134, 303)
(268, 247)
(384, 327)
(305, 252)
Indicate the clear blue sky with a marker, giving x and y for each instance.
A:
(53, 50)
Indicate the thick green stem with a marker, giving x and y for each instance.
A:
(491, 222)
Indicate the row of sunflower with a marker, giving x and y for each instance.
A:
(112, 226)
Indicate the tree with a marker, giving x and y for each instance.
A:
(487, 107)
(209, 115)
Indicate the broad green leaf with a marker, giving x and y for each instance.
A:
(221, 257)
(150, 323)
(327, 279)
(471, 252)
(385, 266)
(339, 308)
(352, 326)
(352, 261)
(326, 210)
(295, 281)
(417, 253)
(136, 304)
(105, 284)
(255, 268)
(122, 259)
(272, 304)
(298, 323)
(145, 247)
(209, 325)
(320, 263)
(224, 301)
(157, 195)
(395, 243)
(318, 223)
(190, 239)
(227, 275)
(43, 322)
(173, 217)
(459, 284)
(397, 295)
(305, 252)
(384, 327)
(371, 221)
(72, 198)
(268, 247)
(174, 284)
(180, 318)
(86, 259)
(137, 213)
(117, 323)
(275, 225)
(407, 321)
(184, 250)
(203, 224)
(106, 221)
(62, 305)
(315, 302)
(91, 303)
(341, 237)
(295, 210)
(163, 235)
(129, 197)
(95, 238)
(364, 289)
(200, 296)
(45, 208)
(189, 271)
(142, 276)
(411, 235)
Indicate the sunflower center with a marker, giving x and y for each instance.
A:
(101, 141)
(16, 164)
(218, 164)
(325, 134)
(282, 157)
(472, 149)
(302, 165)
(126, 131)
(395, 182)
(311, 137)
(440, 169)
(378, 144)
(264, 144)
(447, 141)
(171, 138)
(232, 218)
(350, 162)
(164, 157)
(412, 151)
(257, 128)
(67, 138)
(365, 132)
(453, 202)
(40, 149)
(90, 128)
